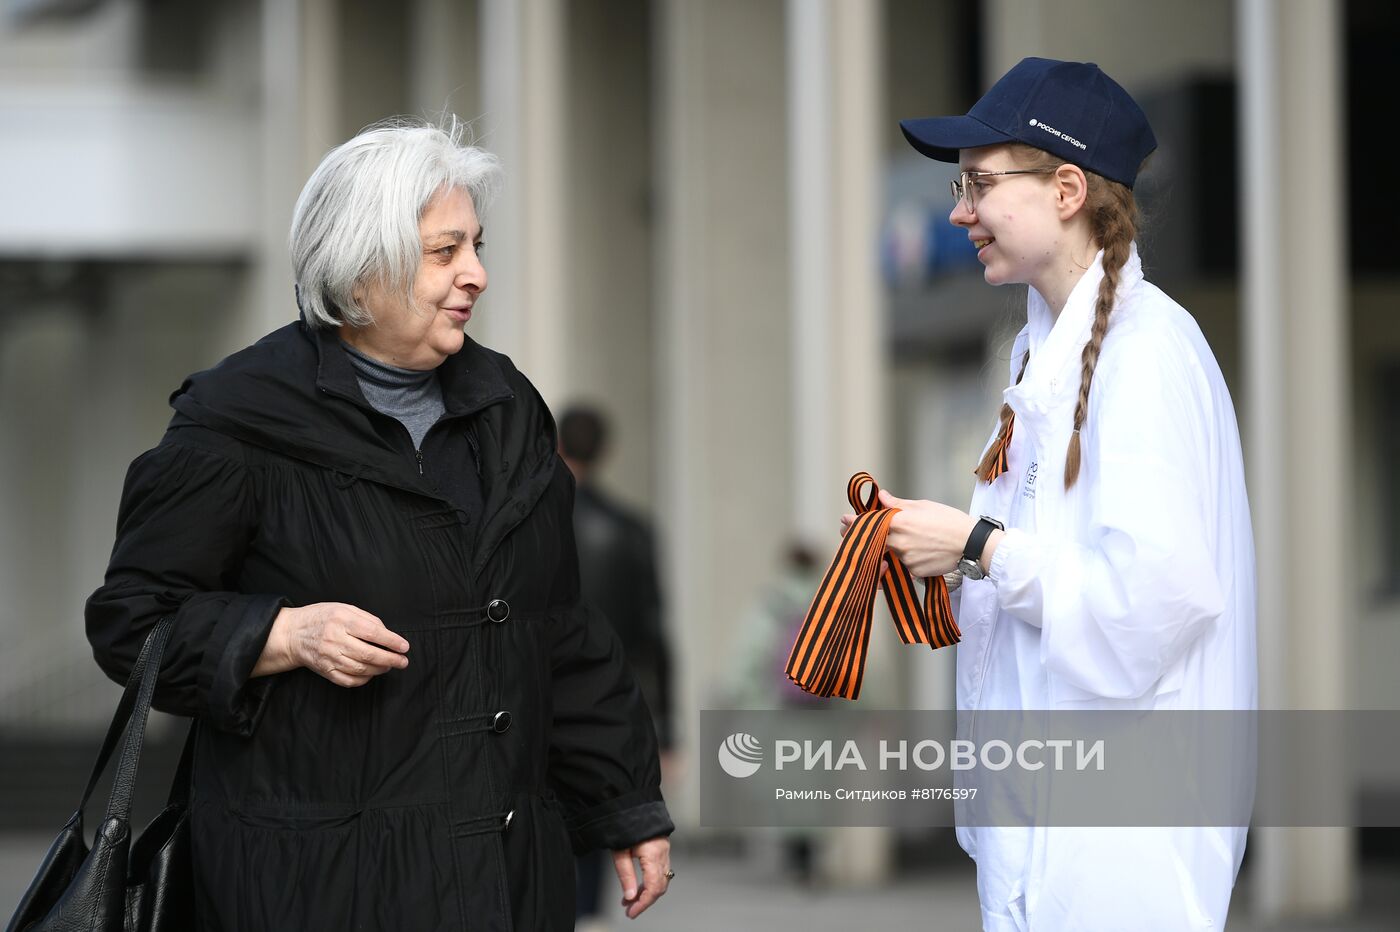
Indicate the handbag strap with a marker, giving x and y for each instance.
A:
(124, 780)
(123, 713)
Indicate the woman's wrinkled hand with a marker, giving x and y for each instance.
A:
(344, 644)
(655, 857)
(928, 536)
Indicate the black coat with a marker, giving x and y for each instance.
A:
(441, 796)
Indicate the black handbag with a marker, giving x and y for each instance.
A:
(118, 886)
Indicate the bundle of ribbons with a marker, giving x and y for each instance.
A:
(829, 656)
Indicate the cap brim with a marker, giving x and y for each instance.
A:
(941, 137)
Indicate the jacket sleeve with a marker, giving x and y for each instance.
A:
(1121, 605)
(186, 519)
(603, 759)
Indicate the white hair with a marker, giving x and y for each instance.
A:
(356, 221)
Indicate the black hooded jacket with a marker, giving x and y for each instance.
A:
(441, 796)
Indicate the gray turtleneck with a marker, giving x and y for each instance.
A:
(410, 396)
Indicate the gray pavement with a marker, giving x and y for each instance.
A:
(719, 891)
(729, 893)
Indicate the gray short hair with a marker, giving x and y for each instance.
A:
(356, 221)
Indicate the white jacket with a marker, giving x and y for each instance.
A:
(1134, 590)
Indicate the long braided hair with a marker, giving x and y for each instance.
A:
(1113, 223)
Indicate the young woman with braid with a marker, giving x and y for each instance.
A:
(1107, 560)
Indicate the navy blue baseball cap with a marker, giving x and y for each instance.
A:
(1070, 109)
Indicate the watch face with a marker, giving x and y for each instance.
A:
(970, 568)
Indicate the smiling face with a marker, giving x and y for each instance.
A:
(450, 278)
(1017, 225)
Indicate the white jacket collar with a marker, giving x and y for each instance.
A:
(1057, 344)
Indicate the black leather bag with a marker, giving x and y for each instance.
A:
(119, 886)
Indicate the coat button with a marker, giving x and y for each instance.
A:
(498, 610)
(505, 824)
(501, 722)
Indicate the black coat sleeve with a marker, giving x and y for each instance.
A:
(186, 519)
(603, 758)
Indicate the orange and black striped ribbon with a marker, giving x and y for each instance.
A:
(829, 656)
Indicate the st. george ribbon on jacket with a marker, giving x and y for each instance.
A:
(828, 658)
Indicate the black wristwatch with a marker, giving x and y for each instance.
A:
(970, 565)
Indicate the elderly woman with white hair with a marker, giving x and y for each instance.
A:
(363, 532)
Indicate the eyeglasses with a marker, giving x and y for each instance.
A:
(965, 190)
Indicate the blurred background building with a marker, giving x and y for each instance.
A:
(713, 228)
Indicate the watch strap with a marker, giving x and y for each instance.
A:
(977, 540)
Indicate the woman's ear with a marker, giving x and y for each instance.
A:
(1071, 189)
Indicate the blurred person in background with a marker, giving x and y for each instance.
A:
(767, 630)
(758, 680)
(1108, 559)
(363, 532)
(618, 576)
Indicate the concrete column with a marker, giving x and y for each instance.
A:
(723, 376)
(1012, 26)
(444, 62)
(300, 107)
(837, 319)
(1139, 44)
(525, 314)
(834, 193)
(42, 348)
(1298, 425)
(611, 234)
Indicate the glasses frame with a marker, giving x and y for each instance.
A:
(961, 187)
